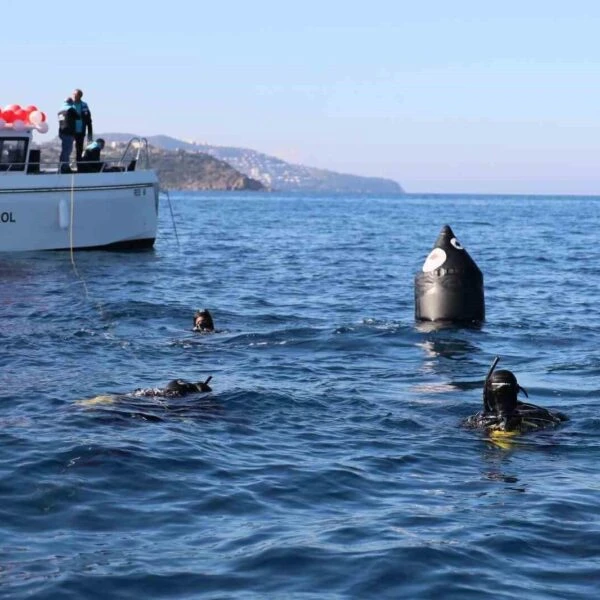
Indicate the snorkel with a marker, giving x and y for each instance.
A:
(486, 405)
(202, 386)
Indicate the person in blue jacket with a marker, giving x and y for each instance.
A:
(90, 160)
(67, 116)
(83, 123)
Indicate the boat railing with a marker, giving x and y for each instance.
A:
(12, 167)
(137, 147)
(44, 168)
(135, 157)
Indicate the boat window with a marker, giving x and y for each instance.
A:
(12, 154)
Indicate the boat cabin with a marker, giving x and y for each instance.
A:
(14, 151)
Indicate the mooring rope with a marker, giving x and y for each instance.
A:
(96, 303)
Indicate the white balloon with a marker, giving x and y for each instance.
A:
(36, 117)
(18, 125)
(43, 127)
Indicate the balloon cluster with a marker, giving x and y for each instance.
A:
(20, 119)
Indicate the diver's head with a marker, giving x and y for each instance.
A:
(500, 393)
(203, 386)
(180, 387)
(203, 321)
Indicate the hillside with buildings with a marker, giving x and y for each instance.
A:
(275, 173)
(176, 169)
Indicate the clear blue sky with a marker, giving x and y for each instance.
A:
(442, 96)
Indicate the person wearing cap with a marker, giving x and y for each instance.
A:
(83, 123)
(67, 116)
(90, 160)
(504, 413)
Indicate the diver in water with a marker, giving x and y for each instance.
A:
(502, 412)
(175, 388)
(203, 321)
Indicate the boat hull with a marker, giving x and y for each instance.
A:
(78, 211)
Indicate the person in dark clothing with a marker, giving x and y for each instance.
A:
(90, 161)
(503, 414)
(67, 116)
(82, 124)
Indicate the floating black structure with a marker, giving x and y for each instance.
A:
(450, 286)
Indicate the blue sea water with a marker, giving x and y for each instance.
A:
(328, 462)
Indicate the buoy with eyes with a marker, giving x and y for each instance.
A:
(450, 285)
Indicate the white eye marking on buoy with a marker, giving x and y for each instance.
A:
(436, 258)
(456, 244)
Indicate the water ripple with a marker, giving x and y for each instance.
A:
(329, 460)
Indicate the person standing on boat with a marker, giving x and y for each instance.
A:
(67, 116)
(83, 123)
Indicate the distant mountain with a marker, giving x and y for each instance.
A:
(273, 172)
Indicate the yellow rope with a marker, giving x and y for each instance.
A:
(71, 243)
(97, 304)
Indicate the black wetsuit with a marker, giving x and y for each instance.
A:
(525, 417)
(175, 388)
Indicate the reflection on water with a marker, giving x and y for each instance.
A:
(499, 476)
(433, 326)
(443, 346)
(435, 388)
(452, 349)
(496, 459)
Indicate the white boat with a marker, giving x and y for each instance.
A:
(44, 209)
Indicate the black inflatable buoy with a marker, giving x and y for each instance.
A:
(450, 286)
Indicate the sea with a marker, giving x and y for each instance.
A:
(329, 461)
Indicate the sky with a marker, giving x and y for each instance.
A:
(442, 96)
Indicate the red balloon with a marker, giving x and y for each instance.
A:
(13, 107)
(30, 108)
(8, 115)
(43, 116)
(21, 115)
